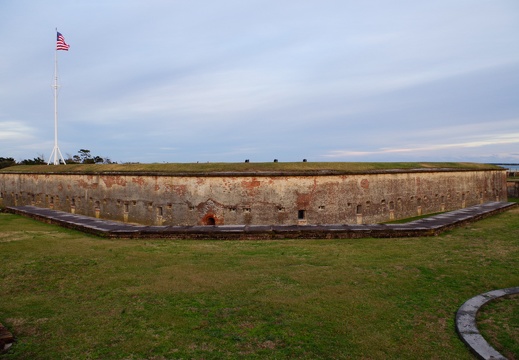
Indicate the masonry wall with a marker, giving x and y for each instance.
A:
(513, 188)
(255, 199)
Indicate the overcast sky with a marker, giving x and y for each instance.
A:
(223, 81)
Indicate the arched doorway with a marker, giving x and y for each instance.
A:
(211, 219)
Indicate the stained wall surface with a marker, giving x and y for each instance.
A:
(513, 188)
(256, 199)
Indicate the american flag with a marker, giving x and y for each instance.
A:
(61, 44)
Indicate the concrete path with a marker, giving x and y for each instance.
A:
(429, 226)
(466, 323)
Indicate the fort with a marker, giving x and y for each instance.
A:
(254, 194)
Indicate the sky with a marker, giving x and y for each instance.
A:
(223, 81)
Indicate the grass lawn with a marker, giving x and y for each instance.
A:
(499, 323)
(67, 295)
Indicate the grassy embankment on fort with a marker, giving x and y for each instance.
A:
(246, 167)
(65, 294)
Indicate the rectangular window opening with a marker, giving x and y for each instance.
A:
(301, 214)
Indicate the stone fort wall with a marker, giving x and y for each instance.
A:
(255, 198)
(513, 188)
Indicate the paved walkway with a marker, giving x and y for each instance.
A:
(466, 323)
(429, 226)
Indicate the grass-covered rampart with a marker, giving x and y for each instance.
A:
(65, 294)
(246, 167)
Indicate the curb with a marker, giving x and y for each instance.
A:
(430, 226)
(466, 323)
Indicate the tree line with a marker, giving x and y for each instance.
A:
(84, 156)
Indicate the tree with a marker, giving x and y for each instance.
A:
(6, 162)
(85, 157)
(98, 160)
(36, 161)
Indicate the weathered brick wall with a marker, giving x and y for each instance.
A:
(513, 188)
(254, 198)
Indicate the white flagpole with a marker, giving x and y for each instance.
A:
(56, 153)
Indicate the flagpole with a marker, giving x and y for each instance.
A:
(55, 151)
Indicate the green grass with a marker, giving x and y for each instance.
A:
(67, 295)
(499, 323)
(244, 167)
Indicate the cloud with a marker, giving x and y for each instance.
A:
(426, 149)
(166, 81)
(13, 132)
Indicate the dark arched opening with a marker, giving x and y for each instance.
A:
(210, 221)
